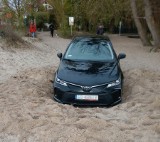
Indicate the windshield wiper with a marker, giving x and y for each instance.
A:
(116, 63)
(71, 60)
(120, 56)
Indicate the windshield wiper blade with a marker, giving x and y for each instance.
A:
(70, 60)
(116, 63)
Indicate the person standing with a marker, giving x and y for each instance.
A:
(100, 29)
(51, 27)
(32, 29)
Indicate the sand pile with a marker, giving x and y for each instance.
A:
(29, 114)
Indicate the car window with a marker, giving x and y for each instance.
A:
(90, 49)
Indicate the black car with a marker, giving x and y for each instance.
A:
(89, 73)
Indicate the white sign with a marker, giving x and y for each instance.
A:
(71, 21)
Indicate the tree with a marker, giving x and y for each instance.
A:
(15, 7)
(59, 10)
(152, 22)
(20, 7)
(110, 12)
(141, 29)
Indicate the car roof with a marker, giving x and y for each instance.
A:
(96, 37)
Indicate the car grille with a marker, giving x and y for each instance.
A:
(80, 88)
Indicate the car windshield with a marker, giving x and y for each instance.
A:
(91, 49)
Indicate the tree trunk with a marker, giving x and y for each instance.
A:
(141, 30)
(153, 25)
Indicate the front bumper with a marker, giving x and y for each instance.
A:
(111, 96)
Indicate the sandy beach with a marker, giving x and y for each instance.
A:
(29, 114)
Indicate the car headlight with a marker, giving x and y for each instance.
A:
(59, 81)
(114, 83)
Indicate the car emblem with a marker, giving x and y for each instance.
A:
(86, 88)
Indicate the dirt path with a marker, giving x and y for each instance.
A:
(138, 57)
(28, 113)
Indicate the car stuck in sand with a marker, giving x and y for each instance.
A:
(89, 73)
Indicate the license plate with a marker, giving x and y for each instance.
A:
(87, 97)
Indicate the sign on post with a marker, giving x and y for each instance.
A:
(120, 27)
(71, 23)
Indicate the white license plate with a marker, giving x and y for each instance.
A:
(87, 97)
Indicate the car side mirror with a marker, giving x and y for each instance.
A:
(59, 55)
(121, 56)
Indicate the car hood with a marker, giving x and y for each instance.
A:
(87, 73)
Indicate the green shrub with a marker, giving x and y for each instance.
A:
(65, 33)
(41, 18)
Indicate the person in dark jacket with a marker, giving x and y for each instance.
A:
(51, 27)
(100, 29)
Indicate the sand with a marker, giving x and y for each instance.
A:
(29, 114)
